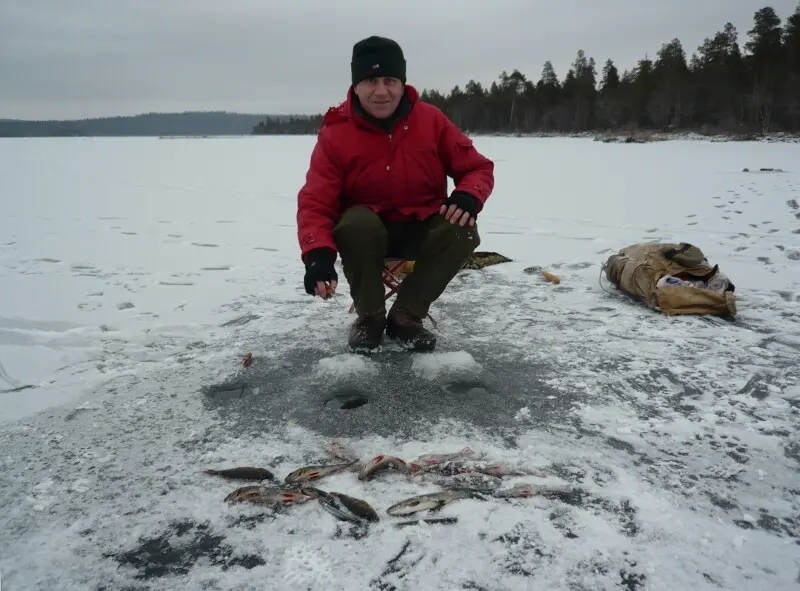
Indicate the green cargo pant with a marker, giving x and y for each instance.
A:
(438, 248)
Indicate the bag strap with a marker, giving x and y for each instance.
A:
(670, 254)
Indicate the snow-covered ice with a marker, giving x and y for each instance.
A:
(136, 272)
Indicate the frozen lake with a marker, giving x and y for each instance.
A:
(136, 272)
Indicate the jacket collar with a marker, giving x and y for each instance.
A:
(353, 110)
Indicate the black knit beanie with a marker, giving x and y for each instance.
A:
(377, 56)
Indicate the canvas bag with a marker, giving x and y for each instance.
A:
(636, 270)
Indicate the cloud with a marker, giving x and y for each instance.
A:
(95, 57)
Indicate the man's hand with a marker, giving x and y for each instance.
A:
(460, 208)
(321, 278)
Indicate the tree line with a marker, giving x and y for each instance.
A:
(723, 86)
(211, 123)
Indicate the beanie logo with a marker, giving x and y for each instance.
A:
(376, 66)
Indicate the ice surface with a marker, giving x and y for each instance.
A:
(135, 274)
(435, 365)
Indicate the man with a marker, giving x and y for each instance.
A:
(377, 187)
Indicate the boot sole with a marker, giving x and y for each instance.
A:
(366, 351)
(424, 346)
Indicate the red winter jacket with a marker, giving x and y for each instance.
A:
(401, 175)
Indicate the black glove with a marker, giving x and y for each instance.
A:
(463, 201)
(319, 267)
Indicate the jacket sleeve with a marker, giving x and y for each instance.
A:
(471, 171)
(318, 202)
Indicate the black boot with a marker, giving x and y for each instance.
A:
(408, 330)
(366, 332)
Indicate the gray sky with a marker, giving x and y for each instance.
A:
(84, 58)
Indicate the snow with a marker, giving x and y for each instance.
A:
(136, 272)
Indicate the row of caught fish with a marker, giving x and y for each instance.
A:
(348, 508)
(461, 475)
(461, 464)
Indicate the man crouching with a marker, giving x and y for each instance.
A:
(377, 188)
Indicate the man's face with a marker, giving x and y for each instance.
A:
(380, 96)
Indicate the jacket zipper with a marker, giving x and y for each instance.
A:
(389, 184)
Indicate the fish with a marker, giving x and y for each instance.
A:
(508, 470)
(347, 508)
(340, 451)
(316, 472)
(549, 491)
(428, 520)
(434, 459)
(522, 490)
(466, 466)
(382, 462)
(434, 501)
(242, 473)
(476, 480)
(453, 467)
(273, 495)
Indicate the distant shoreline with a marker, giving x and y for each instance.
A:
(615, 137)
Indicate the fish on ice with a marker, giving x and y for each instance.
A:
(273, 495)
(341, 451)
(476, 480)
(426, 521)
(242, 473)
(315, 472)
(434, 459)
(453, 467)
(434, 501)
(382, 462)
(347, 508)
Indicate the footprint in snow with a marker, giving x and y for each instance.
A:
(90, 306)
(205, 244)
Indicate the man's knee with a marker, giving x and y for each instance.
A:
(358, 227)
(464, 239)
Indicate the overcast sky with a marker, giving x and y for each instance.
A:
(84, 58)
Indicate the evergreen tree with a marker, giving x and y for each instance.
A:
(721, 87)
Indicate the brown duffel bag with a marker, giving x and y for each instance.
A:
(672, 278)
